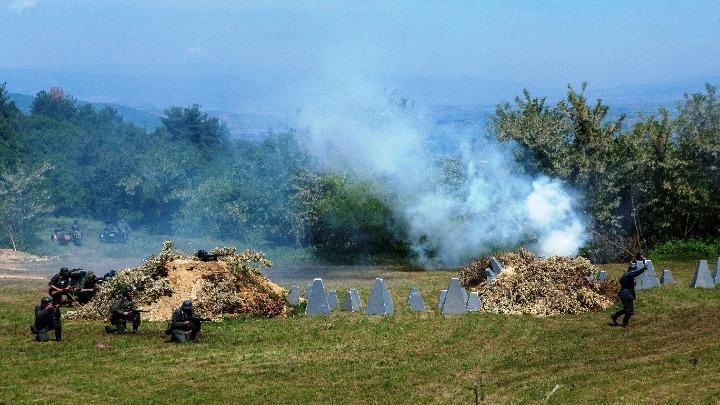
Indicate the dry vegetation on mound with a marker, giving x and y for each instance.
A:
(231, 286)
(533, 285)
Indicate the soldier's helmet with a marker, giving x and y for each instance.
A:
(186, 305)
(45, 301)
(64, 272)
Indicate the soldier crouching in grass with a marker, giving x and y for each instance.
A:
(627, 290)
(47, 318)
(184, 325)
(122, 311)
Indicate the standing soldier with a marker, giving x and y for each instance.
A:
(59, 284)
(123, 310)
(47, 318)
(627, 290)
(184, 325)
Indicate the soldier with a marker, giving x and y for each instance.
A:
(123, 310)
(47, 317)
(75, 227)
(627, 290)
(88, 288)
(184, 325)
(60, 284)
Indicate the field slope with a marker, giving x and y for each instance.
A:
(670, 354)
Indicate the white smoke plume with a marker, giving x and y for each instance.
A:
(357, 129)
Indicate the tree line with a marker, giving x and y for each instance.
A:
(641, 184)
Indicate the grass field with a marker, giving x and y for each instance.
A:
(670, 354)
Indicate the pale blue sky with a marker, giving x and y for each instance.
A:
(532, 43)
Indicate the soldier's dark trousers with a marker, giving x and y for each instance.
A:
(43, 336)
(628, 310)
(120, 322)
(183, 335)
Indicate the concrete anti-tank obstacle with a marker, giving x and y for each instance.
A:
(317, 299)
(495, 265)
(454, 303)
(441, 299)
(332, 300)
(380, 301)
(293, 297)
(602, 276)
(473, 302)
(702, 278)
(716, 278)
(666, 278)
(415, 301)
(351, 301)
(649, 278)
(490, 276)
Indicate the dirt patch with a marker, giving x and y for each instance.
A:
(13, 256)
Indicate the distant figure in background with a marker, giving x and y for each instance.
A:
(627, 290)
(47, 318)
(123, 310)
(75, 227)
(184, 325)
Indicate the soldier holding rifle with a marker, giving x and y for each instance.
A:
(122, 311)
(184, 325)
(47, 318)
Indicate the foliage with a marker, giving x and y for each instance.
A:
(643, 186)
(686, 249)
(22, 200)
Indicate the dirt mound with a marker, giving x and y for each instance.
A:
(231, 286)
(9, 255)
(532, 285)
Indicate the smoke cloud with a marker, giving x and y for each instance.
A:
(453, 212)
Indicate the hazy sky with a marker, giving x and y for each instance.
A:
(282, 44)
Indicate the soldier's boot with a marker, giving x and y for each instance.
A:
(626, 320)
(58, 334)
(121, 327)
(109, 329)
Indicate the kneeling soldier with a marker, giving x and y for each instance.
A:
(47, 318)
(184, 324)
(123, 310)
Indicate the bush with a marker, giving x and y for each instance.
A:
(686, 249)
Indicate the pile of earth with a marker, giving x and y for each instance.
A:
(232, 286)
(538, 286)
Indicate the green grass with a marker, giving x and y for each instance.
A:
(670, 354)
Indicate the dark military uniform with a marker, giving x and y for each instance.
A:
(58, 285)
(87, 288)
(627, 292)
(47, 318)
(119, 318)
(184, 325)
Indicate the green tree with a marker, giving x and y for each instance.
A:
(54, 104)
(193, 125)
(23, 198)
(9, 120)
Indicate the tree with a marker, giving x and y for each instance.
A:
(22, 200)
(195, 126)
(54, 104)
(9, 120)
(573, 141)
